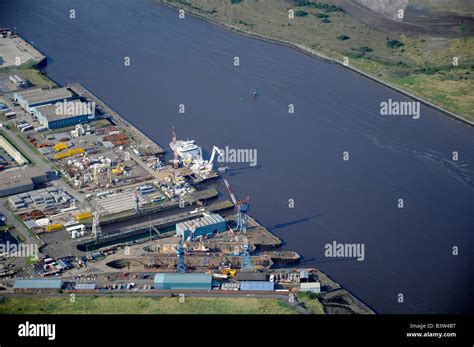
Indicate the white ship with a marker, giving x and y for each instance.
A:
(190, 155)
(187, 151)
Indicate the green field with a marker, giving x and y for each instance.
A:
(419, 64)
(142, 305)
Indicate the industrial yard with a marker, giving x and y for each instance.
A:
(108, 213)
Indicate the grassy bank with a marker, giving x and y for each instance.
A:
(420, 65)
(142, 305)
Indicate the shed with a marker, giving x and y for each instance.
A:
(183, 281)
(251, 276)
(257, 286)
(314, 287)
(37, 286)
(208, 224)
(84, 286)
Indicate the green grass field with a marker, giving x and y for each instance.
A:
(142, 305)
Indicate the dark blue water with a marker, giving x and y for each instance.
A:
(300, 157)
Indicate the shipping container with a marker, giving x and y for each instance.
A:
(82, 216)
(54, 227)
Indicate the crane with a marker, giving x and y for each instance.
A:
(180, 267)
(215, 150)
(175, 151)
(137, 202)
(242, 207)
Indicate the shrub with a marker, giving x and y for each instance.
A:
(343, 37)
(394, 43)
(301, 13)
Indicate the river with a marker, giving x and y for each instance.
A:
(300, 156)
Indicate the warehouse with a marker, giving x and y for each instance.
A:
(251, 276)
(183, 281)
(207, 225)
(19, 181)
(314, 287)
(36, 97)
(38, 286)
(12, 151)
(54, 117)
(256, 286)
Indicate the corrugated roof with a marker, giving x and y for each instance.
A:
(38, 96)
(84, 286)
(183, 278)
(254, 285)
(77, 108)
(38, 284)
(207, 219)
(251, 276)
(311, 285)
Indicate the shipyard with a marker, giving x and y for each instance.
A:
(110, 210)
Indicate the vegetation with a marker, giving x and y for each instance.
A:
(424, 59)
(301, 13)
(320, 6)
(363, 49)
(311, 302)
(142, 305)
(394, 43)
(321, 15)
(343, 37)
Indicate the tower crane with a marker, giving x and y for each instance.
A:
(242, 207)
(180, 267)
(137, 202)
(175, 151)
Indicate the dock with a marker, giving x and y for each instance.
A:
(115, 116)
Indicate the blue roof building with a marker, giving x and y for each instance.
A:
(183, 281)
(37, 285)
(70, 113)
(257, 286)
(84, 286)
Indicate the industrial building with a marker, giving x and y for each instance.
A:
(19, 181)
(183, 281)
(12, 151)
(207, 225)
(46, 197)
(85, 286)
(251, 276)
(314, 287)
(36, 97)
(37, 286)
(18, 81)
(77, 112)
(257, 286)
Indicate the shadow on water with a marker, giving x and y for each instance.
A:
(294, 222)
(237, 171)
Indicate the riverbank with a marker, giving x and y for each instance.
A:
(143, 305)
(367, 65)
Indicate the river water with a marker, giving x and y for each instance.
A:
(190, 62)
